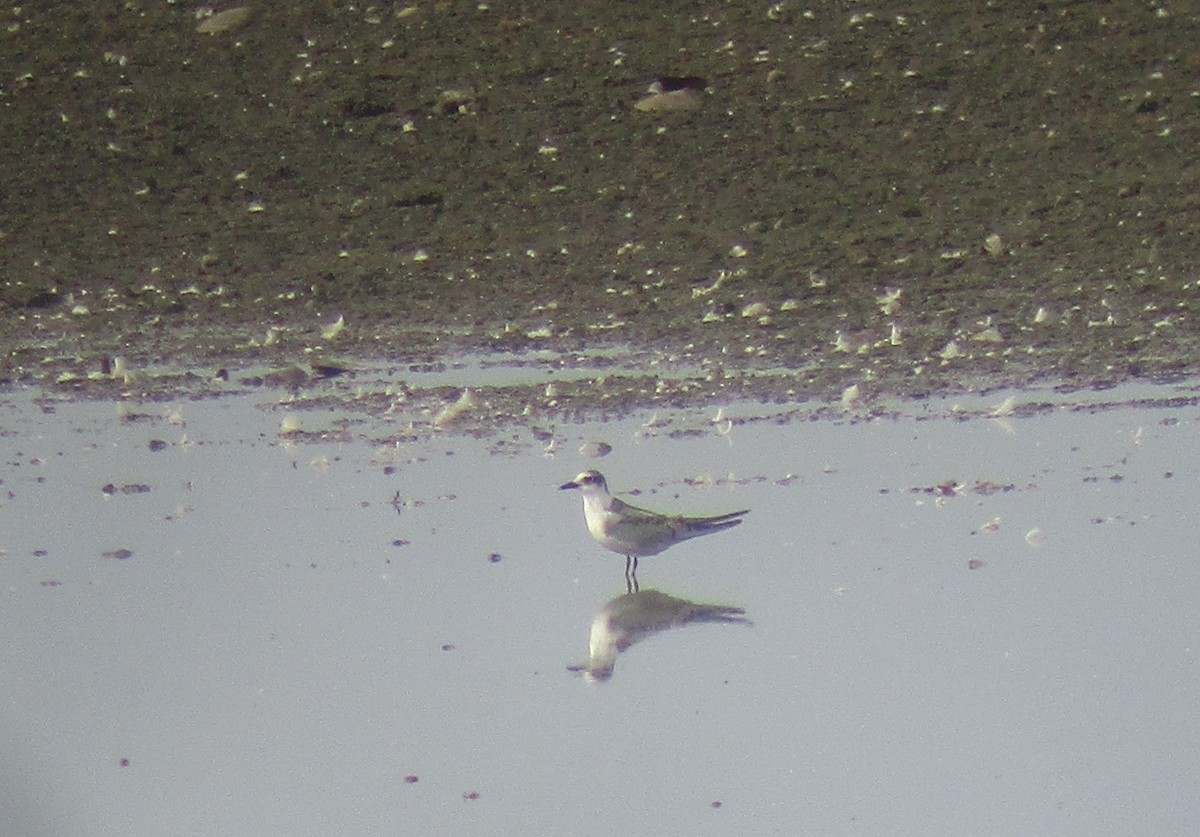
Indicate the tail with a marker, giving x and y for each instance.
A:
(705, 525)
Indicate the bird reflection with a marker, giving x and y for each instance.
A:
(630, 618)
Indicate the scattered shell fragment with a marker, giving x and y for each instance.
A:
(453, 412)
(457, 101)
(851, 396)
(855, 341)
(889, 300)
(991, 526)
(1042, 315)
(223, 21)
(756, 309)
(952, 350)
(672, 93)
(331, 331)
(1034, 537)
(1005, 408)
(699, 292)
(666, 102)
(993, 245)
(595, 450)
(990, 334)
(328, 368)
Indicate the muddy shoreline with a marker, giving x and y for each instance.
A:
(896, 198)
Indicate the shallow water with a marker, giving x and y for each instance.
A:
(960, 624)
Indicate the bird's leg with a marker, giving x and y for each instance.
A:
(633, 575)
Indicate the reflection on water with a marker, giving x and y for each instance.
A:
(632, 617)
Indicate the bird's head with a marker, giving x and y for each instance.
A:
(590, 482)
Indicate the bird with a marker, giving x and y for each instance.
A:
(635, 532)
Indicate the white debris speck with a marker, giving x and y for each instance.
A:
(993, 245)
(1034, 537)
(1042, 316)
(755, 309)
(897, 335)
(737, 251)
(290, 424)
(991, 526)
(420, 255)
(256, 206)
(789, 305)
(80, 310)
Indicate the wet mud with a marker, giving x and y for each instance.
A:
(898, 197)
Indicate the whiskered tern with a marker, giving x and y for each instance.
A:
(634, 532)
